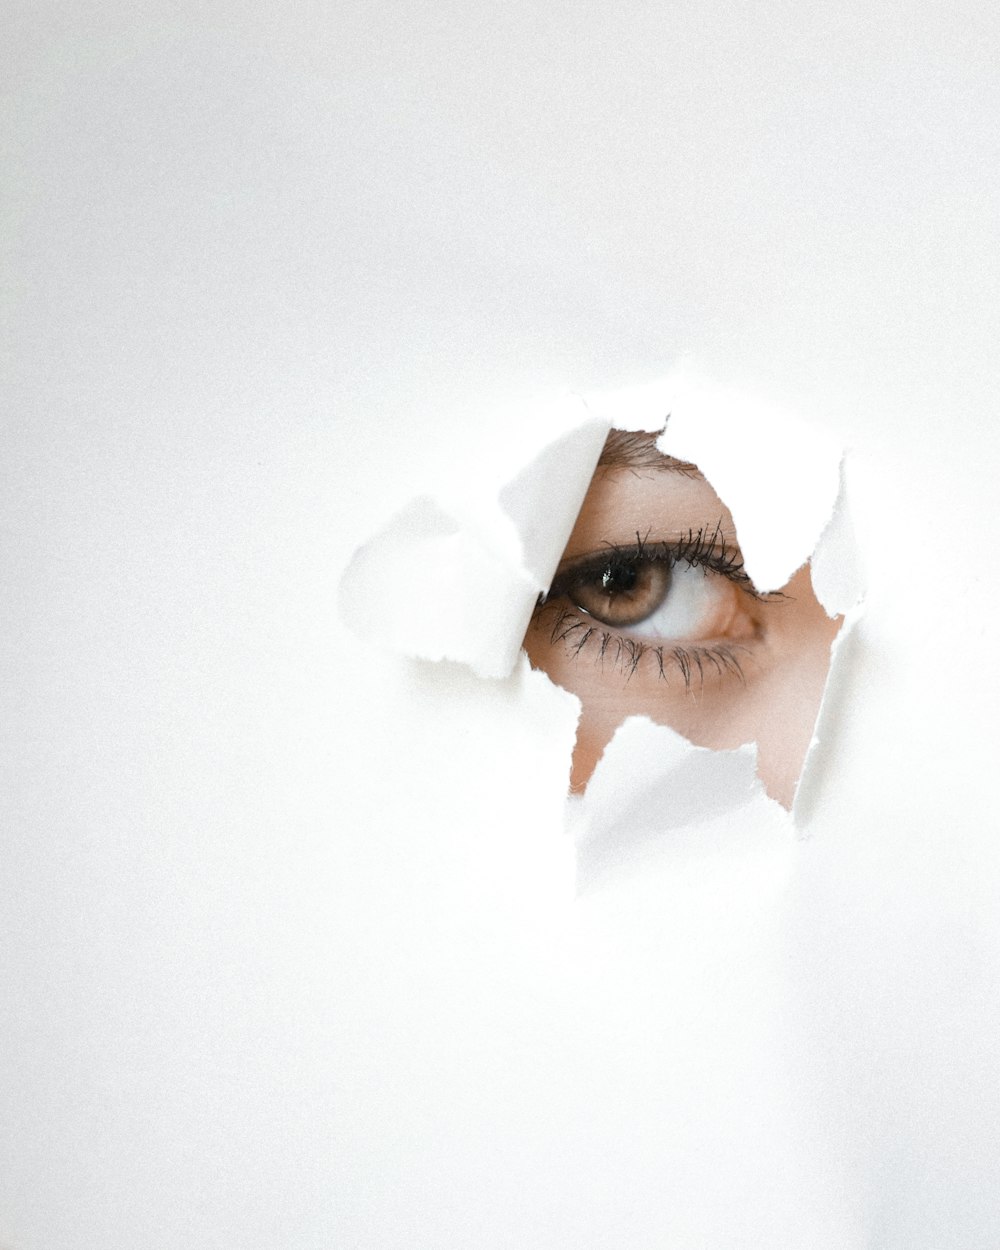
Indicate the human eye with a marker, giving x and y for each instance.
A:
(678, 593)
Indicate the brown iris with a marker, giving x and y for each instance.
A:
(622, 593)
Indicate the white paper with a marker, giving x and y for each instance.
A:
(290, 953)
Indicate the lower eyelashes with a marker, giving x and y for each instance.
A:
(694, 663)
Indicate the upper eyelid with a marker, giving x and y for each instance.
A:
(708, 547)
(666, 549)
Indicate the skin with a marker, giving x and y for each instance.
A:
(782, 643)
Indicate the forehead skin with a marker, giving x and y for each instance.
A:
(624, 505)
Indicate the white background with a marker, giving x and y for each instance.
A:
(288, 955)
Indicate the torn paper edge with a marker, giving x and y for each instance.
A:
(652, 781)
(470, 563)
(835, 565)
(471, 569)
(778, 476)
(828, 715)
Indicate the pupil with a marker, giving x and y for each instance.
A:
(618, 581)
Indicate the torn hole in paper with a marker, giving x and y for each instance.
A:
(677, 554)
(665, 606)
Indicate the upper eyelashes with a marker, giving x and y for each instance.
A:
(706, 548)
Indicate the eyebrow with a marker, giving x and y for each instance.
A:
(624, 449)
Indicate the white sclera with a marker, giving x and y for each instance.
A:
(688, 612)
